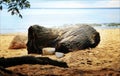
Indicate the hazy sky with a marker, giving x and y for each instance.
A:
(51, 13)
(75, 3)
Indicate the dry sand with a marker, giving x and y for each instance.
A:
(105, 56)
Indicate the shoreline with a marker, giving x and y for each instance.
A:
(94, 25)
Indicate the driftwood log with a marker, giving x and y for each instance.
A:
(77, 38)
(7, 62)
(64, 40)
(39, 37)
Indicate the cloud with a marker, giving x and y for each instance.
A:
(108, 4)
(113, 3)
(77, 4)
(59, 4)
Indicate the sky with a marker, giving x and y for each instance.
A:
(75, 3)
(50, 13)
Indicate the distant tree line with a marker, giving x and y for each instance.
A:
(114, 24)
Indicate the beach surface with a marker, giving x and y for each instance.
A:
(104, 60)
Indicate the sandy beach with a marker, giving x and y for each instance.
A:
(105, 56)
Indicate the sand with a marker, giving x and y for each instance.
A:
(105, 56)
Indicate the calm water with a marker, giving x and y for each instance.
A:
(55, 17)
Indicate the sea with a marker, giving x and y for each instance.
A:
(52, 17)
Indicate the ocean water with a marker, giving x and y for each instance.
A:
(55, 18)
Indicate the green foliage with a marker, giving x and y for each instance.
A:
(14, 6)
(114, 24)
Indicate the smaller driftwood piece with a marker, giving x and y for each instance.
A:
(8, 62)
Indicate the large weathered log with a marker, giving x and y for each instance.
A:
(65, 40)
(77, 38)
(7, 62)
(39, 37)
